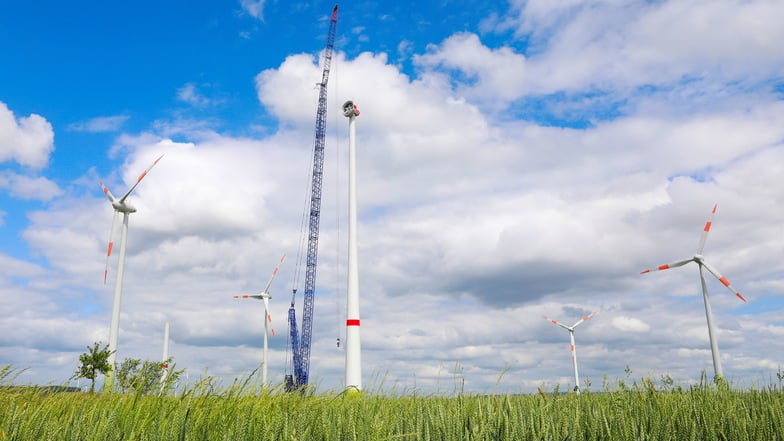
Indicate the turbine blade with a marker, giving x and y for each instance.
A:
(556, 322)
(722, 279)
(667, 266)
(110, 246)
(266, 309)
(106, 192)
(267, 315)
(274, 273)
(139, 179)
(587, 317)
(706, 230)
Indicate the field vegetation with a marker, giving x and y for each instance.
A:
(643, 410)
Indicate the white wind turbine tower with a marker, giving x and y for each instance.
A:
(165, 356)
(700, 261)
(572, 347)
(265, 296)
(120, 206)
(353, 349)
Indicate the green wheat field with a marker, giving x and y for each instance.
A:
(642, 410)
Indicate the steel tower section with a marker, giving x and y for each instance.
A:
(300, 348)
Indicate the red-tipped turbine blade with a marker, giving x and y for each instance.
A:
(723, 280)
(274, 273)
(106, 192)
(555, 322)
(139, 179)
(586, 318)
(706, 230)
(109, 247)
(667, 266)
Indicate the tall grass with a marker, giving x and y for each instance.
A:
(243, 411)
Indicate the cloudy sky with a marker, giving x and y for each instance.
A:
(515, 159)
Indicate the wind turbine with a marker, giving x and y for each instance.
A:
(120, 206)
(165, 356)
(572, 347)
(265, 296)
(700, 261)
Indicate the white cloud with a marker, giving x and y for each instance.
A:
(612, 45)
(100, 124)
(30, 188)
(255, 8)
(190, 94)
(486, 75)
(28, 140)
(630, 324)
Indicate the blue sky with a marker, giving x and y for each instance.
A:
(517, 159)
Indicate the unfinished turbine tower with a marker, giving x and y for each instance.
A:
(700, 261)
(353, 352)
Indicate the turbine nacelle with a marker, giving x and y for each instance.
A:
(350, 109)
(124, 207)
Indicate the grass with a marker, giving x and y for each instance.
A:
(241, 411)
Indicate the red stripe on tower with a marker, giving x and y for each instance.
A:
(352, 322)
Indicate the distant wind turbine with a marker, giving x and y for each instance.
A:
(572, 347)
(700, 260)
(165, 356)
(265, 296)
(120, 206)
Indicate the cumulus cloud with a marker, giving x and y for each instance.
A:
(611, 45)
(630, 324)
(484, 75)
(28, 140)
(31, 188)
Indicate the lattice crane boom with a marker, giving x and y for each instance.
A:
(300, 344)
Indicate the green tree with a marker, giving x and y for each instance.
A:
(146, 377)
(93, 362)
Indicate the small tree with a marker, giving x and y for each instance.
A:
(93, 362)
(146, 377)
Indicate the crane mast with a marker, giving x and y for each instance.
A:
(300, 344)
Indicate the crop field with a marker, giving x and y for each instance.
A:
(240, 412)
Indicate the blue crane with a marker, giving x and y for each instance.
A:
(300, 344)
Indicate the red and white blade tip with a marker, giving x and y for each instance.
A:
(666, 266)
(727, 283)
(144, 173)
